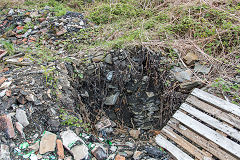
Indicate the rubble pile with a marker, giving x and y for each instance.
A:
(24, 26)
(105, 105)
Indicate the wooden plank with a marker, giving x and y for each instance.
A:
(204, 143)
(179, 154)
(225, 105)
(212, 121)
(168, 132)
(208, 133)
(227, 117)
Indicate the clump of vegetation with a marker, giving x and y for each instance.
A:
(231, 89)
(49, 76)
(107, 13)
(71, 120)
(8, 46)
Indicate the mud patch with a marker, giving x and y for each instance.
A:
(133, 87)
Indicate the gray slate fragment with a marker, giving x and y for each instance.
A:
(27, 20)
(183, 75)
(22, 117)
(16, 62)
(238, 79)
(201, 68)
(31, 98)
(34, 14)
(110, 75)
(111, 100)
(81, 23)
(108, 59)
(190, 85)
(68, 158)
(26, 34)
(137, 155)
(35, 146)
(99, 152)
(19, 127)
(5, 85)
(11, 12)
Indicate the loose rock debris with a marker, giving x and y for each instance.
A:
(118, 95)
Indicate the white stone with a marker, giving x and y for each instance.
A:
(4, 152)
(5, 85)
(68, 138)
(2, 93)
(81, 23)
(79, 152)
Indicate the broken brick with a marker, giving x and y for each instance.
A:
(4, 70)
(20, 27)
(118, 157)
(60, 150)
(8, 93)
(25, 40)
(2, 79)
(7, 126)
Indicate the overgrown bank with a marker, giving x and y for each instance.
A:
(208, 28)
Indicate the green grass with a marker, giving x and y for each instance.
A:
(8, 46)
(229, 88)
(71, 120)
(214, 28)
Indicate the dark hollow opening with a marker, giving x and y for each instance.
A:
(133, 87)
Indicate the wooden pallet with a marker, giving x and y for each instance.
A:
(205, 127)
